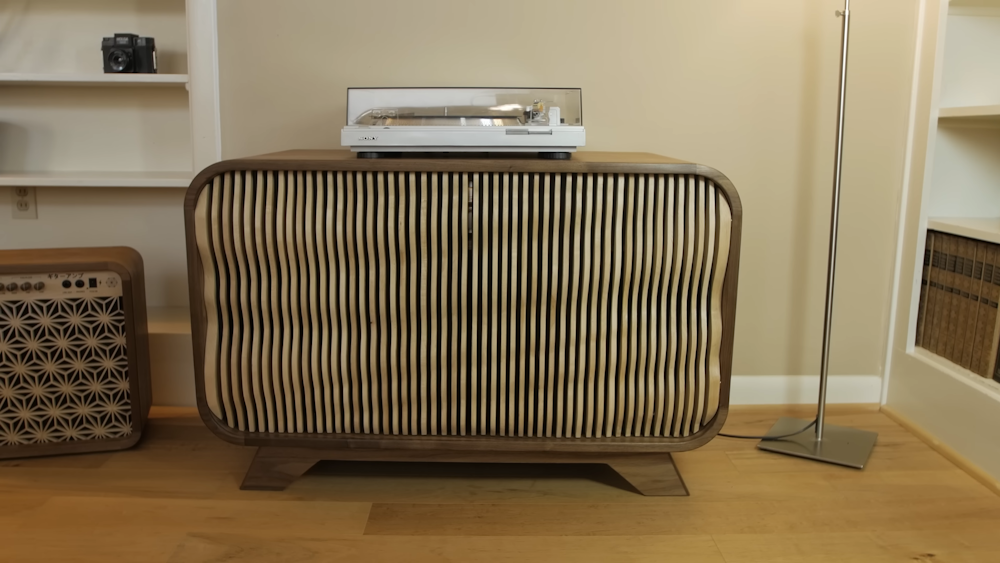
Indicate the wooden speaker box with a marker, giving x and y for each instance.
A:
(74, 362)
(457, 309)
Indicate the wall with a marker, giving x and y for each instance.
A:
(747, 87)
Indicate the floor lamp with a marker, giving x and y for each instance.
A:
(830, 444)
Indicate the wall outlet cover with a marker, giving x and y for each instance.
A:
(23, 204)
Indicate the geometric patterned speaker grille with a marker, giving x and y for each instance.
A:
(477, 304)
(63, 371)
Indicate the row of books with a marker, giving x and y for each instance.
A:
(959, 291)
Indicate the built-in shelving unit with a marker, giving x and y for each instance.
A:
(954, 188)
(111, 154)
(105, 80)
(66, 123)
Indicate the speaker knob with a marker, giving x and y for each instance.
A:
(39, 286)
(25, 286)
(12, 286)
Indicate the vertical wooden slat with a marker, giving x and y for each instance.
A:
(464, 373)
(381, 289)
(285, 218)
(491, 286)
(616, 341)
(524, 298)
(432, 291)
(310, 325)
(424, 311)
(206, 212)
(298, 278)
(693, 264)
(406, 363)
(475, 308)
(264, 232)
(592, 276)
(344, 267)
(561, 288)
(504, 226)
(547, 262)
(633, 284)
(724, 235)
(355, 280)
(251, 307)
(605, 336)
(414, 303)
(273, 234)
(328, 286)
(368, 304)
(695, 368)
(447, 375)
(657, 333)
(457, 327)
(645, 228)
(228, 297)
(240, 350)
(670, 274)
(392, 220)
(535, 269)
(685, 361)
(578, 315)
(675, 384)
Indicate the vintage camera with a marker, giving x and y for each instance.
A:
(127, 52)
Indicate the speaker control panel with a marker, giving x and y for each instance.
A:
(51, 285)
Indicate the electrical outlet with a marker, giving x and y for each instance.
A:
(24, 206)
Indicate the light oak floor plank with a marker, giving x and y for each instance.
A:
(176, 498)
(225, 547)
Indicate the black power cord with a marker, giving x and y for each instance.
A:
(810, 425)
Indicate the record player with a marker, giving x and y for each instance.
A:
(389, 121)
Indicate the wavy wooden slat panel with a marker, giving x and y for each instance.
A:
(581, 305)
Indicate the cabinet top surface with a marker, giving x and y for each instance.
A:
(589, 157)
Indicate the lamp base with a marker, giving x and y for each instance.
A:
(849, 447)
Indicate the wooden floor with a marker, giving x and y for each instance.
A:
(175, 498)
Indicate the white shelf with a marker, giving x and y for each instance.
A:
(55, 79)
(990, 113)
(979, 228)
(98, 179)
(985, 385)
(974, 3)
(168, 320)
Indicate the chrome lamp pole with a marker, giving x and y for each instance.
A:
(831, 444)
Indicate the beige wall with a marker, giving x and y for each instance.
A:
(746, 87)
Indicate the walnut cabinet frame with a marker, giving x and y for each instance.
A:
(463, 309)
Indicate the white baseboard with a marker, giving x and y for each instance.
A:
(803, 389)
